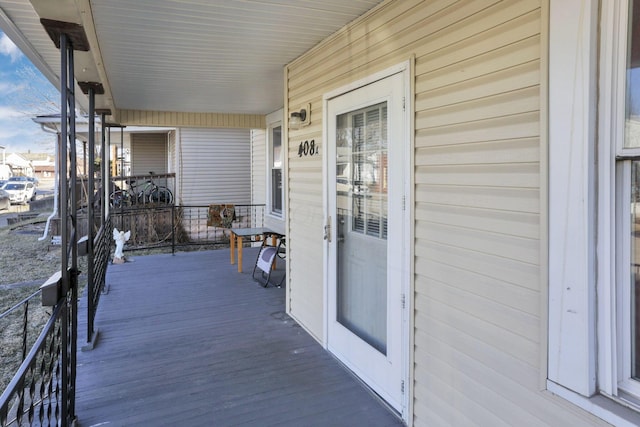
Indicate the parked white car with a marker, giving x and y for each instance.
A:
(20, 191)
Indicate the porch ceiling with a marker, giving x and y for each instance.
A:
(222, 56)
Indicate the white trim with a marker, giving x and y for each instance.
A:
(285, 177)
(327, 221)
(274, 120)
(544, 198)
(610, 107)
(590, 340)
(621, 373)
(572, 113)
(614, 260)
(399, 68)
(410, 243)
(406, 69)
(612, 411)
(179, 167)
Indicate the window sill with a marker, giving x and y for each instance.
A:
(611, 410)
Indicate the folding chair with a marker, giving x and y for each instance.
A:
(266, 260)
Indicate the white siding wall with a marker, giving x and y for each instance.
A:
(189, 119)
(478, 313)
(171, 168)
(148, 153)
(215, 166)
(172, 163)
(258, 166)
(115, 144)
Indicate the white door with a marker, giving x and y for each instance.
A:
(366, 176)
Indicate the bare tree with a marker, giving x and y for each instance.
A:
(37, 95)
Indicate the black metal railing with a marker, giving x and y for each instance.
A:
(97, 273)
(199, 227)
(163, 226)
(39, 393)
(42, 392)
(136, 190)
(16, 323)
(130, 190)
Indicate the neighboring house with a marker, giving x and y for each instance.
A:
(459, 199)
(5, 172)
(19, 165)
(210, 165)
(43, 166)
(45, 171)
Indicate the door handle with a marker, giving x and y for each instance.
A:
(327, 230)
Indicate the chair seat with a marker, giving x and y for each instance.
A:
(266, 259)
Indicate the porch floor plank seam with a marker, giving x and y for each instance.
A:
(186, 340)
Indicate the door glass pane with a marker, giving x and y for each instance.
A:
(635, 268)
(361, 192)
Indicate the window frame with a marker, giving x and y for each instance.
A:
(613, 178)
(582, 258)
(615, 313)
(269, 169)
(621, 315)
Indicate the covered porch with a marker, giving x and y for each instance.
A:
(187, 340)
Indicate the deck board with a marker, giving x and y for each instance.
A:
(187, 340)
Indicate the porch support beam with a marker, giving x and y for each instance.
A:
(92, 89)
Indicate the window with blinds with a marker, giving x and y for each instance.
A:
(369, 153)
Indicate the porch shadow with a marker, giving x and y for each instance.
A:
(187, 340)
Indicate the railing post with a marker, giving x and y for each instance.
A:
(64, 224)
(68, 37)
(25, 329)
(91, 279)
(66, 392)
(91, 88)
(173, 229)
(73, 274)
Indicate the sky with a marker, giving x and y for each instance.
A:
(24, 93)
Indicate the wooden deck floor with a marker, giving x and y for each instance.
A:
(186, 340)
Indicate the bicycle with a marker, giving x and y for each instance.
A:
(150, 192)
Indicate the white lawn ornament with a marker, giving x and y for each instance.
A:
(120, 237)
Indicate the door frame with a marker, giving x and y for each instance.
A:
(407, 70)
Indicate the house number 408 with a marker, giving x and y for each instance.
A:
(308, 148)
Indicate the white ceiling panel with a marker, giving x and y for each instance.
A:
(182, 55)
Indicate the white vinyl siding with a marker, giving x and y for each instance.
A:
(258, 166)
(478, 288)
(171, 167)
(149, 153)
(191, 119)
(215, 166)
